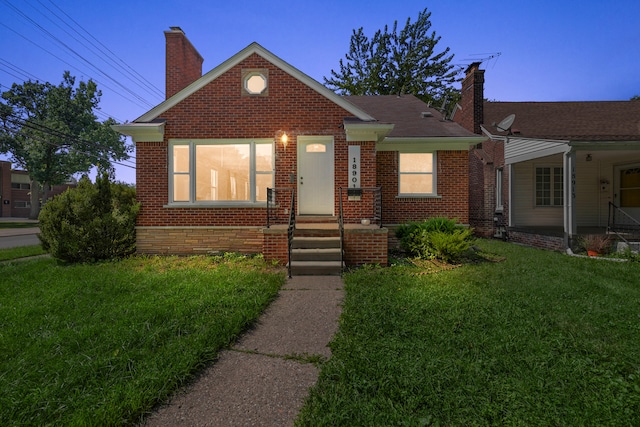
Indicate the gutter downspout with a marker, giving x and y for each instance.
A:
(569, 211)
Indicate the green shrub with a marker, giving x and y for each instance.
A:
(435, 238)
(91, 222)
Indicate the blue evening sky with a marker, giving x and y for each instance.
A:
(572, 50)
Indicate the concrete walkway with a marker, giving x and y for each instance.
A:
(261, 380)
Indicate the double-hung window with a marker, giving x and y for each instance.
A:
(549, 187)
(416, 174)
(221, 172)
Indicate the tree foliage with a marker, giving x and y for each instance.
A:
(53, 133)
(396, 62)
(91, 222)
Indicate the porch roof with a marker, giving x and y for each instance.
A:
(569, 121)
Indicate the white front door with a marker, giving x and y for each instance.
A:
(315, 175)
(627, 189)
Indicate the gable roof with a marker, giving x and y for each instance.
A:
(253, 48)
(570, 121)
(411, 116)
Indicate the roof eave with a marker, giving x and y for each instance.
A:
(147, 132)
(437, 143)
(370, 131)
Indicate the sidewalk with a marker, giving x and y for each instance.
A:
(256, 382)
(8, 232)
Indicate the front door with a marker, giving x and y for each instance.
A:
(315, 175)
(627, 189)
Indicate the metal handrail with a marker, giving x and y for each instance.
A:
(341, 228)
(276, 198)
(291, 229)
(374, 215)
(621, 222)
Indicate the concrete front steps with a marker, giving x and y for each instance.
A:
(315, 250)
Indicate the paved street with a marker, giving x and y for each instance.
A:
(14, 237)
(19, 240)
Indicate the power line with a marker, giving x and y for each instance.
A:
(71, 65)
(137, 76)
(74, 52)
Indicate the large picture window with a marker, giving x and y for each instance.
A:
(416, 174)
(549, 187)
(221, 171)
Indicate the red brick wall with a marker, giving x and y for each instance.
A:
(483, 162)
(471, 116)
(183, 62)
(355, 210)
(452, 187)
(5, 188)
(361, 245)
(219, 111)
(554, 243)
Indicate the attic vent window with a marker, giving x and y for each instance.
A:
(255, 82)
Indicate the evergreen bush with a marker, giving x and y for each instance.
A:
(91, 222)
(435, 238)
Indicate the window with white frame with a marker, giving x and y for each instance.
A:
(221, 171)
(549, 186)
(499, 201)
(416, 174)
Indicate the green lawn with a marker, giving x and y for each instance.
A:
(539, 339)
(21, 252)
(9, 224)
(102, 344)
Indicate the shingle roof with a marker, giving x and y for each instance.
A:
(405, 112)
(573, 121)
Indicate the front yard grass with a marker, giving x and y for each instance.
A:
(530, 337)
(21, 252)
(102, 344)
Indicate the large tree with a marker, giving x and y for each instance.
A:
(52, 132)
(396, 62)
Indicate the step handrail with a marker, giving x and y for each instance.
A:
(291, 229)
(341, 228)
(627, 222)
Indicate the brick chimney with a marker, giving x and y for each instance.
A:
(471, 116)
(184, 63)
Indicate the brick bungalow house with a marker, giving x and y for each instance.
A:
(551, 171)
(229, 156)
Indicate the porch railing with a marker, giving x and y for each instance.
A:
(291, 229)
(281, 204)
(361, 203)
(622, 224)
(341, 228)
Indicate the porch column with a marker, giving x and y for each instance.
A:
(569, 188)
(509, 170)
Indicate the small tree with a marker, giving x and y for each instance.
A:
(396, 62)
(90, 222)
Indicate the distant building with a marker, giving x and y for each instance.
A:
(15, 191)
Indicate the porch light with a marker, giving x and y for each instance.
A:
(284, 139)
(589, 158)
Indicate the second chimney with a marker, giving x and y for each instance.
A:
(472, 101)
(183, 62)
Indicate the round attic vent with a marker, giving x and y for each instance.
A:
(255, 83)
